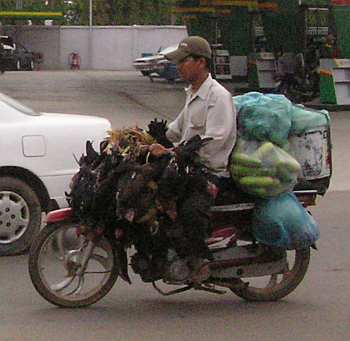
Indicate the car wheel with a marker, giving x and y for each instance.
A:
(20, 216)
(18, 65)
(31, 65)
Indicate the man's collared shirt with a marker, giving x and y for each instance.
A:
(209, 112)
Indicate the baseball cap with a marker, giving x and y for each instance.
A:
(193, 45)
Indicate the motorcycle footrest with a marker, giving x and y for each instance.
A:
(172, 292)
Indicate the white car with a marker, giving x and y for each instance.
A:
(156, 63)
(38, 160)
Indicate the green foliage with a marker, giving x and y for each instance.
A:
(7, 4)
(30, 6)
(122, 12)
(104, 12)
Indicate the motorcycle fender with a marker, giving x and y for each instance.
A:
(59, 215)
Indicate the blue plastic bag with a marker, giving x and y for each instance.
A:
(304, 119)
(264, 117)
(283, 222)
(242, 100)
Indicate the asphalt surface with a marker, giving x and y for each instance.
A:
(317, 310)
(125, 98)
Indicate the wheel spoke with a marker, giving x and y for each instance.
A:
(62, 285)
(59, 244)
(17, 207)
(78, 288)
(5, 201)
(102, 260)
(272, 281)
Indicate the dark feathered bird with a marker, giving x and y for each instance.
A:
(187, 151)
(157, 129)
(118, 183)
(91, 154)
(138, 185)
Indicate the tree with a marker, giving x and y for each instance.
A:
(7, 4)
(31, 6)
(105, 12)
(125, 12)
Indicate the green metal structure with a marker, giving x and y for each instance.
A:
(291, 21)
(285, 22)
(342, 25)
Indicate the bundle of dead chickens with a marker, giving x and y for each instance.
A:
(124, 182)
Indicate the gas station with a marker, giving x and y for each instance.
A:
(284, 25)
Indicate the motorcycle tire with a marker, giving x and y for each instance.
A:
(277, 290)
(72, 299)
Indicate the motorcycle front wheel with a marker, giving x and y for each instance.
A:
(56, 258)
(276, 286)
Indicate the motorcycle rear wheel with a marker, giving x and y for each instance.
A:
(277, 288)
(54, 259)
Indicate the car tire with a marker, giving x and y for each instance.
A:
(31, 65)
(18, 65)
(20, 216)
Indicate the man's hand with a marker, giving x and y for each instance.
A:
(158, 150)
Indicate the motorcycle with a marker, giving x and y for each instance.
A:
(296, 79)
(77, 257)
(72, 265)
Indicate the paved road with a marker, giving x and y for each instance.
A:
(126, 98)
(317, 310)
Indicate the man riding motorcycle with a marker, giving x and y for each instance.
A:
(209, 112)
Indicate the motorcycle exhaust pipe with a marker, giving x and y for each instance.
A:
(229, 263)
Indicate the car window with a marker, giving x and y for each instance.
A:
(18, 106)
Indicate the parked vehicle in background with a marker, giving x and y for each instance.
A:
(2, 62)
(15, 56)
(157, 66)
(38, 160)
(298, 78)
(145, 64)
